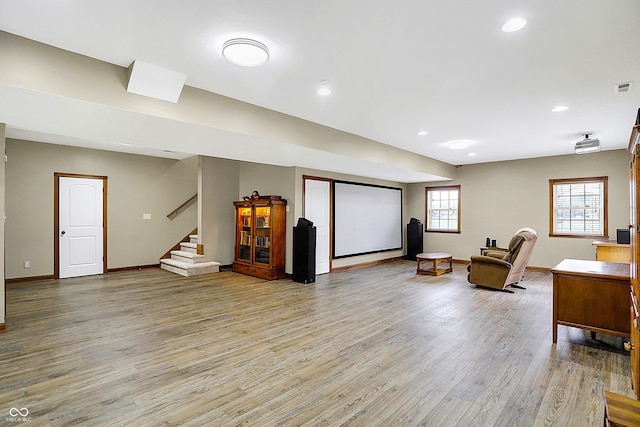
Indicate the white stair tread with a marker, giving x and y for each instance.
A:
(184, 254)
(188, 269)
(188, 265)
(187, 262)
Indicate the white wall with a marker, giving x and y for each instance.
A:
(77, 77)
(499, 198)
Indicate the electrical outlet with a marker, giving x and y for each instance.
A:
(27, 264)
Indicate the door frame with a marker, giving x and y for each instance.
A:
(330, 181)
(56, 218)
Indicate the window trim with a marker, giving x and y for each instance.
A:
(426, 208)
(605, 208)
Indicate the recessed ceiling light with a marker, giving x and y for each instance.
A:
(471, 154)
(423, 133)
(459, 144)
(559, 109)
(514, 24)
(325, 88)
(245, 52)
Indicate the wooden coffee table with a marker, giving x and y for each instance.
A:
(435, 258)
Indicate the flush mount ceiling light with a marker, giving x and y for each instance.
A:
(459, 144)
(324, 89)
(245, 52)
(559, 109)
(514, 24)
(423, 133)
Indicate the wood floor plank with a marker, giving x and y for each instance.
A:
(365, 347)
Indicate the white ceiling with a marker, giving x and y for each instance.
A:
(396, 67)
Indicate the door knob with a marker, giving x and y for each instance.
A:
(628, 346)
(63, 233)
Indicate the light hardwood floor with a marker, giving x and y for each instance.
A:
(376, 346)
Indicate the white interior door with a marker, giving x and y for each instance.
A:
(80, 225)
(317, 206)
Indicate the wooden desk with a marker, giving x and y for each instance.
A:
(592, 295)
(620, 410)
(611, 251)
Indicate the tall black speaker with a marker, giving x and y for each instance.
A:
(414, 239)
(304, 252)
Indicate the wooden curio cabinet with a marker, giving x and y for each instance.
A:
(634, 225)
(260, 237)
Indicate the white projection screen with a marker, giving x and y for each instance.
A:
(366, 219)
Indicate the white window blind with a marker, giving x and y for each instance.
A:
(579, 207)
(443, 209)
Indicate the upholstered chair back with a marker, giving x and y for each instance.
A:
(501, 267)
(523, 243)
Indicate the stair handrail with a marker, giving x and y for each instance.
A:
(182, 206)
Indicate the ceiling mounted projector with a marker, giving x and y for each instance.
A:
(587, 145)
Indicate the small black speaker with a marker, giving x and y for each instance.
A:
(623, 237)
(304, 222)
(304, 252)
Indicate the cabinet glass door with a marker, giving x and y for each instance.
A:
(262, 234)
(244, 234)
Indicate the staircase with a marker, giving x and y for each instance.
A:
(187, 262)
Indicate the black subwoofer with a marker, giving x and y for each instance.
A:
(304, 252)
(415, 234)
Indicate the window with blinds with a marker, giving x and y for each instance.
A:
(578, 207)
(443, 209)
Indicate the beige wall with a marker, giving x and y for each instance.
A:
(361, 259)
(287, 182)
(136, 185)
(217, 190)
(499, 198)
(139, 184)
(272, 180)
